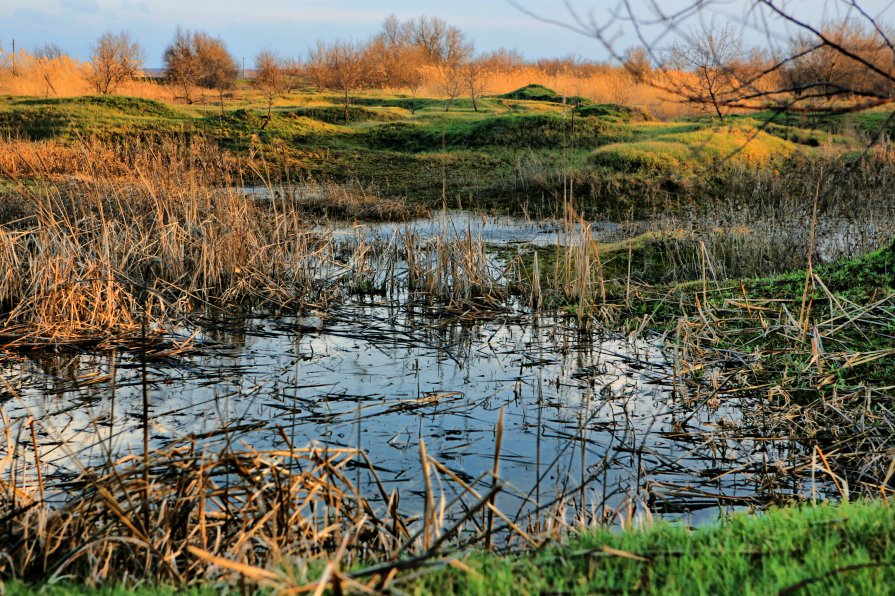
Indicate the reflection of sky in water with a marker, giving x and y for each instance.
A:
(379, 379)
(491, 229)
(458, 223)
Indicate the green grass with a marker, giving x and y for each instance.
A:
(825, 549)
(688, 150)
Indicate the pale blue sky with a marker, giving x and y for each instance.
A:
(291, 26)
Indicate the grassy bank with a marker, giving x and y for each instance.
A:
(824, 549)
(808, 550)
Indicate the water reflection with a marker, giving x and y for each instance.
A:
(586, 415)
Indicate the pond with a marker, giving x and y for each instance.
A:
(587, 416)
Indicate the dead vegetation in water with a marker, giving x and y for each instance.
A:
(182, 515)
(290, 519)
(819, 369)
(150, 234)
(350, 201)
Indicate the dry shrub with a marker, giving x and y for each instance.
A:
(63, 76)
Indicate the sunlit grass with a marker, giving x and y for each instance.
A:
(826, 549)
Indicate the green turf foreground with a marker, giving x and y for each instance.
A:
(812, 550)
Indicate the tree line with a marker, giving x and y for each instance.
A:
(852, 60)
(403, 55)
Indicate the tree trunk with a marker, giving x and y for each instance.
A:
(269, 108)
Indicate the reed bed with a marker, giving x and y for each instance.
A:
(142, 239)
(95, 258)
(817, 368)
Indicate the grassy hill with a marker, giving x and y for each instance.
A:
(513, 153)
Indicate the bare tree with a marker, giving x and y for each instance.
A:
(821, 72)
(805, 74)
(272, 78)
(395, 33)
(195, 59)
(475, 78)
(455, 52)
(49, 52)
(429, 33)
(315, 67)
(182, 63)
(636, 61)
(710, 56)
(345, 70)
(218, 67)
(450, 82)
(116, 58)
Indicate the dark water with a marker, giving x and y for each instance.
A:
(379, 377)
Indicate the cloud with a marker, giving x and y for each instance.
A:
(88, 7)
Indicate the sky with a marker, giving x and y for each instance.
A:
(292, 26)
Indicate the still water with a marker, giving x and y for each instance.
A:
(589, 416)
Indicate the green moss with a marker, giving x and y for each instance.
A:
(336, 114)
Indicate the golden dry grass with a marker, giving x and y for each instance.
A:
(63, 76)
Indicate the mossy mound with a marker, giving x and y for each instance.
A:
(542, 93)
(613, 111)
(535, 131)
(686, 152)
(336, 114)
(124, 106)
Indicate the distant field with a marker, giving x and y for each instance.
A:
(520, 150)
